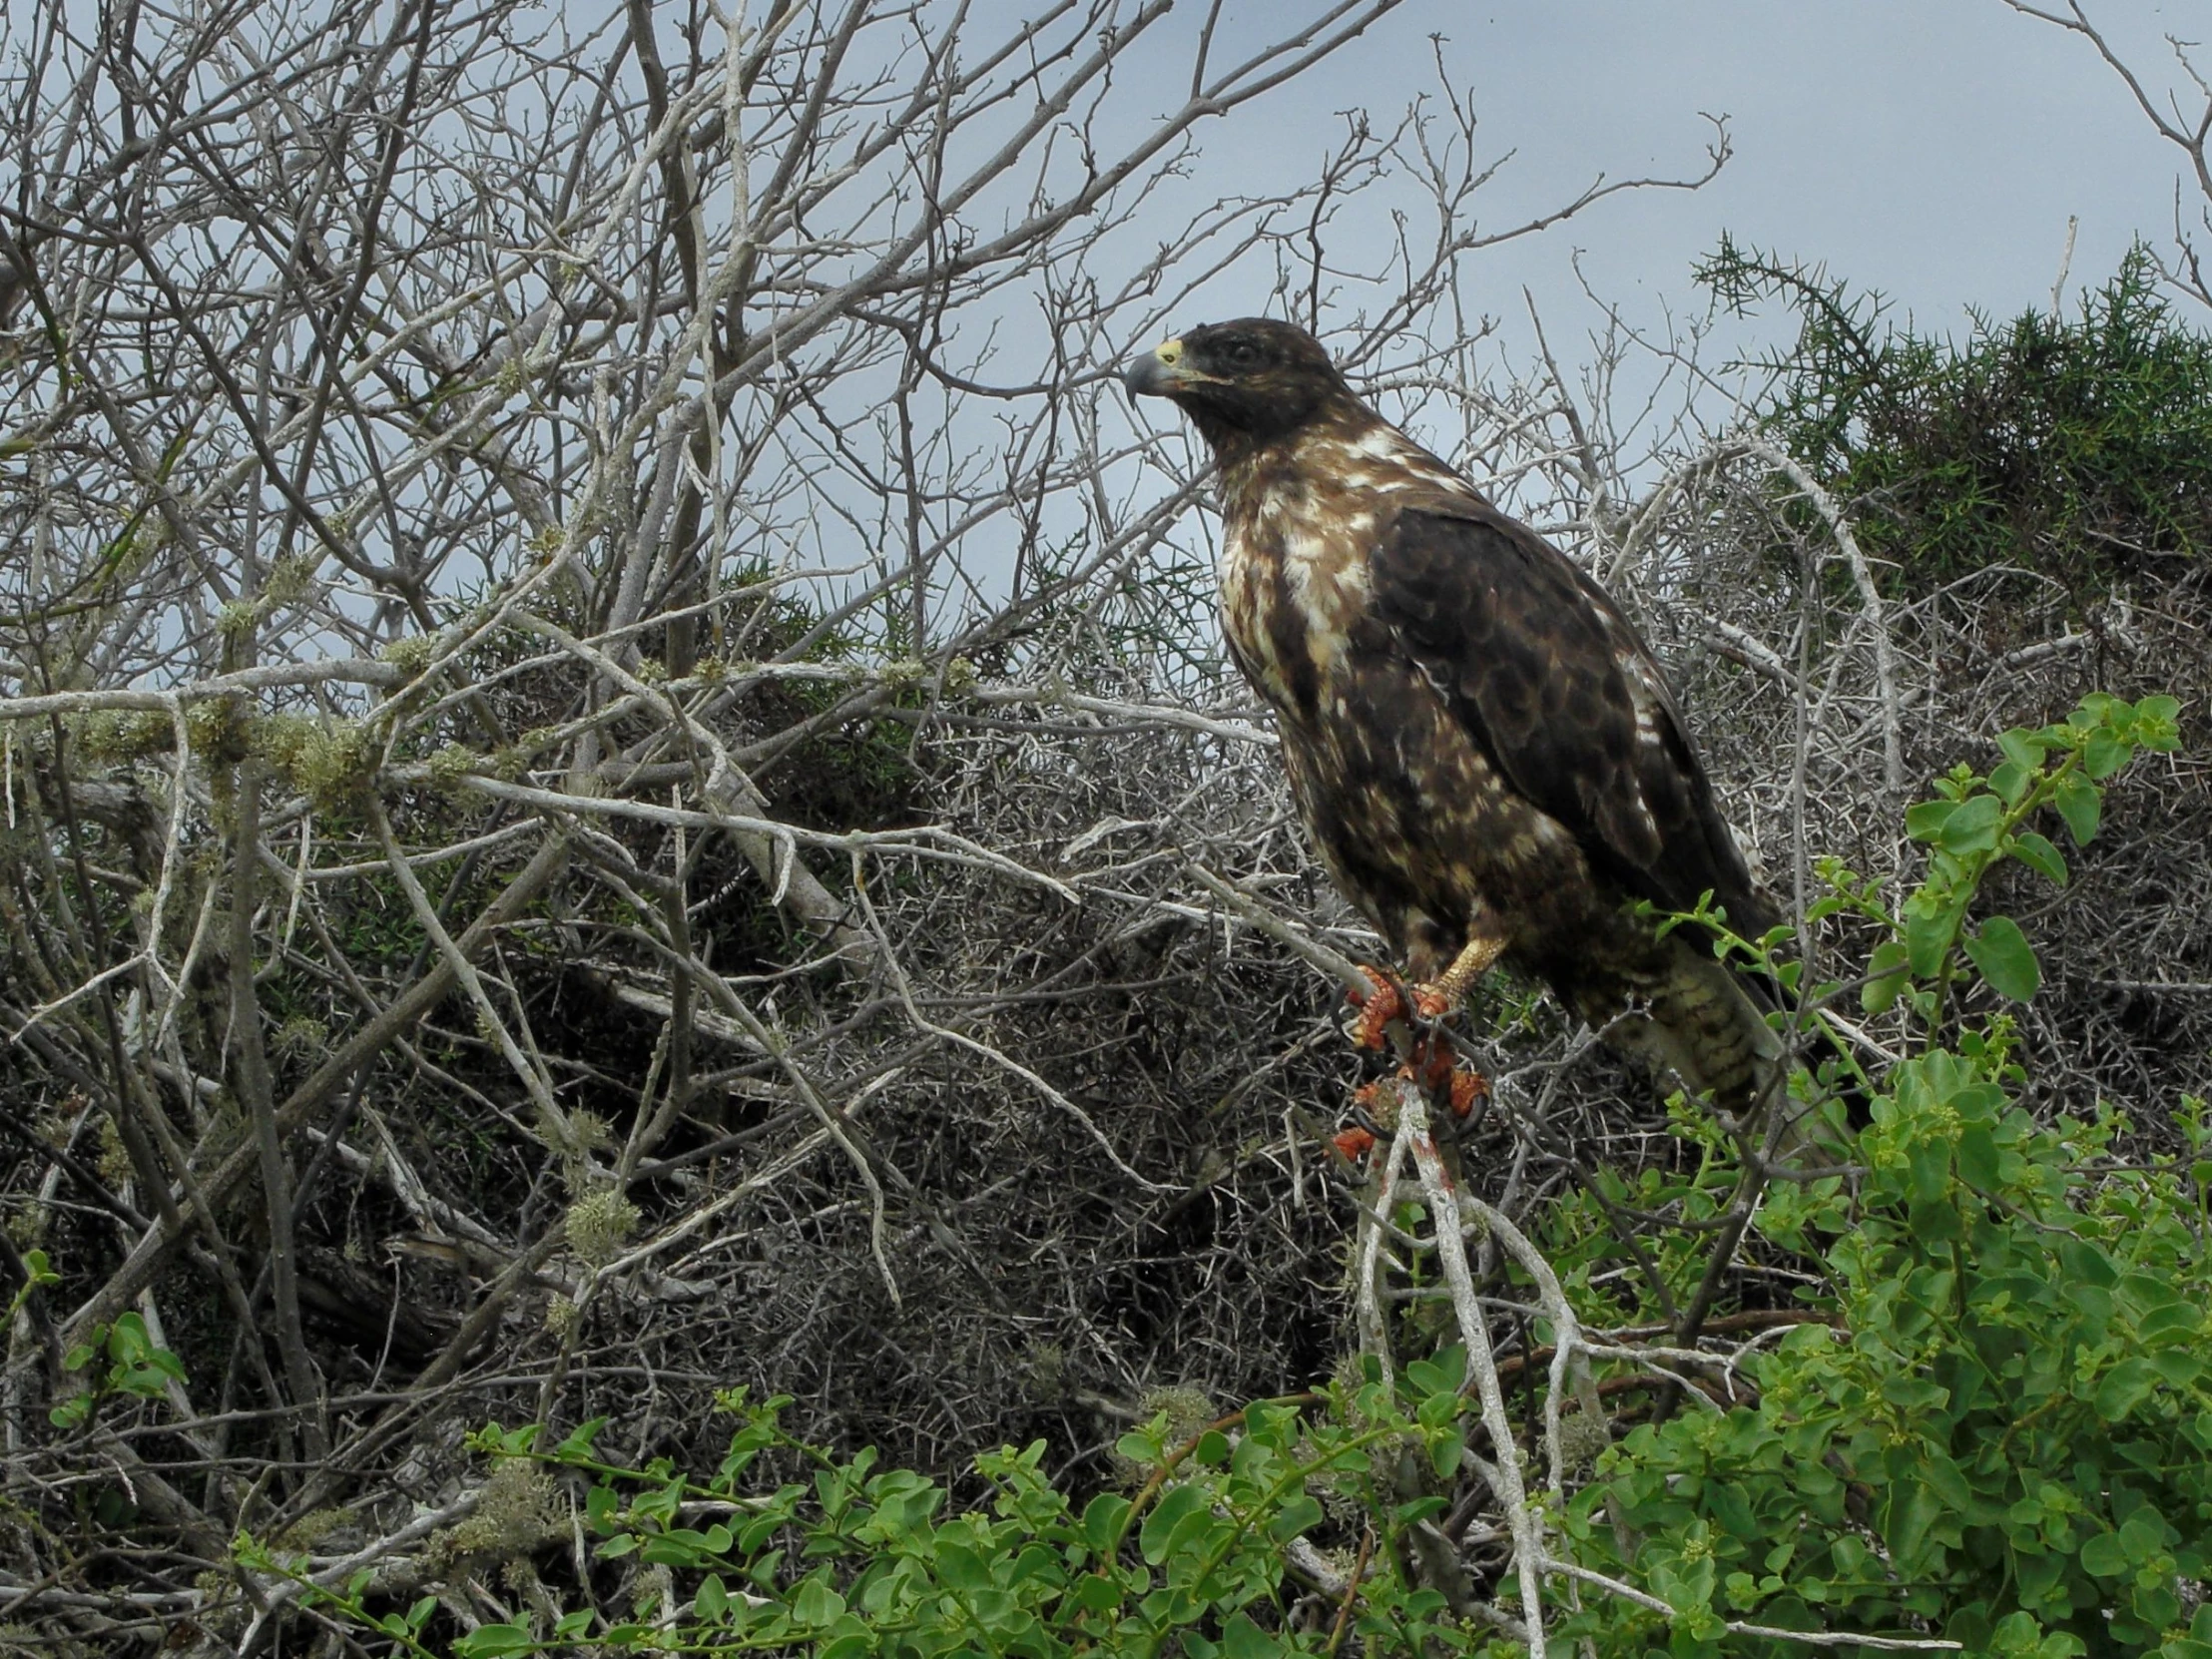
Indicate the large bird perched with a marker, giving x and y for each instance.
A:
(1485, 753)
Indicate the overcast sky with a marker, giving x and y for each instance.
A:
(1932, 149)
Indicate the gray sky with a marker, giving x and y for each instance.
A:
(1932, 149)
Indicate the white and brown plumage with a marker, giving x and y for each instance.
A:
(1485, 754)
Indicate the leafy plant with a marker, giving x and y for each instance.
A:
(859, 1560)
(1999, 1424)
(137, 1366)
(2080, 447)
(36, 1275)
(1976, 823)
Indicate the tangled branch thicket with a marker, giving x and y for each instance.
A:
(617, 778)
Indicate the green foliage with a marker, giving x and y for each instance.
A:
(1976, 823)
(1995, 1421)
(859, 1560)
(2008, 1432)
(36, 1275)
(137, 1367)
(2076, 447)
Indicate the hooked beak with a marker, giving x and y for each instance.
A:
(1159, 373)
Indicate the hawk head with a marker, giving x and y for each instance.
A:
(1247, 382)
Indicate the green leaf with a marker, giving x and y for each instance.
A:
(1096, 1593)
(1915, 1394)
(2125, 1387)
(1142, 1450)
(1929, 1163)
(2168, 1322)
(2081, 805)
(2011, 782)
(959, 1568)
(2006, 960)
(2087, 1262)
(487, 1640)
(2143, 1535)
(1914, 1509)
(601, 1504)
(1241, 1639)
(2040, 856)
(2156, 723)
(2024, 747)
(1972, 827)
(1885, 977)
(712, 1599)
(1978, 1158)
(1166, 1516)
(815, 1605)
(1441, 1375)
(578, 1443)
(2102, 1556)
(1103, 1519)
(1925, 821)
(1436, 1410)
(2103, 756)
(1298, 1514)
(1929, 936)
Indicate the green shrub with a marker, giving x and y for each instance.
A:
(2078, 447)
(858, 1560)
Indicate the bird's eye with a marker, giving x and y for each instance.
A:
(1239, 353)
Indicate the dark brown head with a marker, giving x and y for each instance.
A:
(1247, 382)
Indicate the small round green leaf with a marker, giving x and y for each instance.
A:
(2006, 960)
(2081, 805)
(2040, 856)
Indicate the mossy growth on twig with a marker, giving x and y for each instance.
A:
(599, 1225)
(120, 735)
(410, 654)
(516, 1512)
(330, 762)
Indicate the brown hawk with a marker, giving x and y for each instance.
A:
(1484, 752)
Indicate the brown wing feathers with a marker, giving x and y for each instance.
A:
(1537, 664)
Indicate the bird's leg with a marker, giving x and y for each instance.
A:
(1385, 1002)
(1440, 995)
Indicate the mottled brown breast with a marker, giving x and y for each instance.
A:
(1296, 592)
